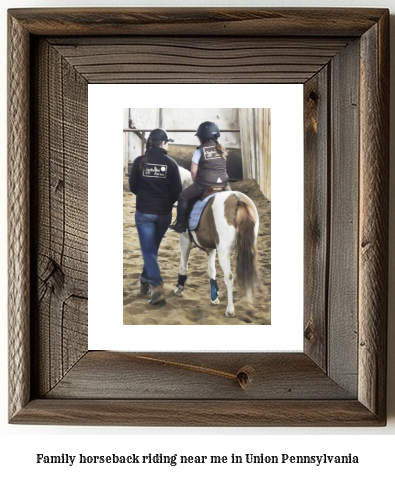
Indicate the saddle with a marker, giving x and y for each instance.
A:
(197, 205)
(212, 190)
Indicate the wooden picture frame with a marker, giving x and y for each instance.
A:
(342, 58)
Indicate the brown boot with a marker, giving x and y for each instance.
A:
(158, 295)
(144, 288)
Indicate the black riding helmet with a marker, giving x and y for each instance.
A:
(160, 134)
(208, 130)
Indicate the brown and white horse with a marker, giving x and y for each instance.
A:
(229, 222)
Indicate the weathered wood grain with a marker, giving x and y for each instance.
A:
(214, 60)
(198, 21)
(202, 413)
(373, 227)
(316, 215)
(197, 375)
(18, 214)
(344, 217)
(61, 226)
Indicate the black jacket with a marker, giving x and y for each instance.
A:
(158, 186)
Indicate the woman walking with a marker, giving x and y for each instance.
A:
(208, 168)
(155, 180)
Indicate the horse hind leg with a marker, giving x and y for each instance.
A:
(211, 271)
(224, 260)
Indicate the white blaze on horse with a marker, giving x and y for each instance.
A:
(229, 222)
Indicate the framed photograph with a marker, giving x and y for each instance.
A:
(341, 59)
(201, 302)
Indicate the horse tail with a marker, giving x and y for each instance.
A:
(246, 251)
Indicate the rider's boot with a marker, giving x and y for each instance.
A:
(182, 216)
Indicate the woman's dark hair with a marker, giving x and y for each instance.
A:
(150, 144)
(220, 148)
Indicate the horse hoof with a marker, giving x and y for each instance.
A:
(178, 292)
(229, 314)
(215, 302)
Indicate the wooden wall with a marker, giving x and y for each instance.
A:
(255, 133)
(173, 119)
(254, 139)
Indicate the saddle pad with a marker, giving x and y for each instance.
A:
(196, 212)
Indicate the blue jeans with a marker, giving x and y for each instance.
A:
(151, 229)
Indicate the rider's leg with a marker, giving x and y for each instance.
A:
(182, 216)
(188, 193)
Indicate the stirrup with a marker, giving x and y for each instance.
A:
(178, 227)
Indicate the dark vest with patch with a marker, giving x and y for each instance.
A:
(212, 166)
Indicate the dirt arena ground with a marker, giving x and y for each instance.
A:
(194, 308)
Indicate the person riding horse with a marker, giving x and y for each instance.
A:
(208, 169)
(229, 222)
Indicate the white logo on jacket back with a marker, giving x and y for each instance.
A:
(210, 152)
(155, 171)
